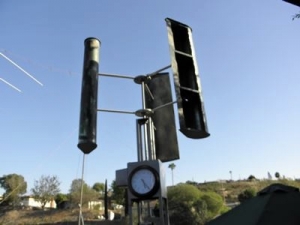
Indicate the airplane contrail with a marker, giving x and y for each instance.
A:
(20, 68)
(14, 87)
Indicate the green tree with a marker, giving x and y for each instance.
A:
(200, 206)
(214, 204)
(191, 182)
(14, 186)
(187, 201)
(184, 214)
(118, 193)
(251, 178)
(246, 194)
(183, 193)
(88, 194)
(172, 167)
(277, 175)
(99, 187)
(297, 16)
(182, 198)
(45, 189)
(60, 198)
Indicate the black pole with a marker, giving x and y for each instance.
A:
(105, 201)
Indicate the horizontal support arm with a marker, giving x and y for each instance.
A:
(158, 71)
(115, 111)
(115, 75)
(129, 77)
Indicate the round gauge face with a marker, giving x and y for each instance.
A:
(144, 181)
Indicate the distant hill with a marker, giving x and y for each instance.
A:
(231, 189)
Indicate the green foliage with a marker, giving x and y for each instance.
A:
(183, 214)
(14, 186)
(45, 189)
(224, 209)
(191, 182)
(88, 194)
(212, 186)
(297, 16)
(96, 207)
(172, 166)
(231, 190)
(277, 175)
(200, 206)
(246, 194)
(214, 203)
(59, 198)
(118, 194)
(183, 193)
(188, 202)
(251, 178)
(99, 187)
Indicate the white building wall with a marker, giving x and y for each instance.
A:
(31, 202)
(91, 204)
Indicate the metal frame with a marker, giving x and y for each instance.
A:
(145, 147)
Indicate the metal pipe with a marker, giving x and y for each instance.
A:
(149, 92)
(80, 218)
(143, 85)
(158, 71)
(161, 106)
(146, 146)
(151, 139)
(115, 75)
(139, 141)
(115, 111)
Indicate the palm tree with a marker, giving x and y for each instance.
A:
(172, 167)
(296, 16)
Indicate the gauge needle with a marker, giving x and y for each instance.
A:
(145, 185)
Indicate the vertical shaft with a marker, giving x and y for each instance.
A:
(139, 141)
(145, 130)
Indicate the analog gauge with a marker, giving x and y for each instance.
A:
(143, 181)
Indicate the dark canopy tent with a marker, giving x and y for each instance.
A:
(277, 204)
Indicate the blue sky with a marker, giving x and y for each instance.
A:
(248, 58)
